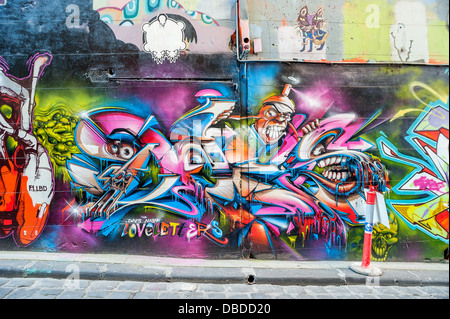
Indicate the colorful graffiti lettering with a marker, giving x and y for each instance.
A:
(278, 180)
(429, 180)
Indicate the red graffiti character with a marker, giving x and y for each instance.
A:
(26, 178)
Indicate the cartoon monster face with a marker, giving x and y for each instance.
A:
(310, 22)
(272, 124)
(384, 238)
(337, 169)
(55, 130)
(336, 173)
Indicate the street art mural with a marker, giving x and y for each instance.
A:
(185, 152)
(289, 177)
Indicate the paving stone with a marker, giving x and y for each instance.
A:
(5, 291)
(264, 288)
(169, 295)
(49, 282)
(294, 289)
(20, 282)
(384, 290)
(360, 289)
(97, 294)
(120, 295)
(130, 286)
(241, 288)
(194, 295)
(48, 292)
(315, 290)
(22, 293)
(338, 290)
(103, 285)
(4, 281)
(76, 284)
(146, 295)
(155, 286)
(211, 287)
(71, 294)
(182, 287)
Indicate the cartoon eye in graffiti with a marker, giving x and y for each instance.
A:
(303, 13)
(271, 113)
(318, 150)
(320, 147)
(122, 150)
(113, 148)
(126, 152)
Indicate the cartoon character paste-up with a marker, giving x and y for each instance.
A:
(26, 179)
(311, 28)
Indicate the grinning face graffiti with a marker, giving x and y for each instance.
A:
(336, 170)
(275, 116)
(272, 124)
(340, 171)
(55, 130)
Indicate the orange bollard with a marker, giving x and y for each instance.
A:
(365, 268)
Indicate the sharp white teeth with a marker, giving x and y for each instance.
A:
(338, 160)
(274, 131)
(338, 176)
(322, 164)
(344, 175)
(333, 176)
(327, 161)
(333, 160)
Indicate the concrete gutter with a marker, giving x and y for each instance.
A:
(163, 269)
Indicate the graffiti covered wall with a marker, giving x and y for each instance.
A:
(132, 127)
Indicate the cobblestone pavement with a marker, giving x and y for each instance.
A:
(48, 288)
